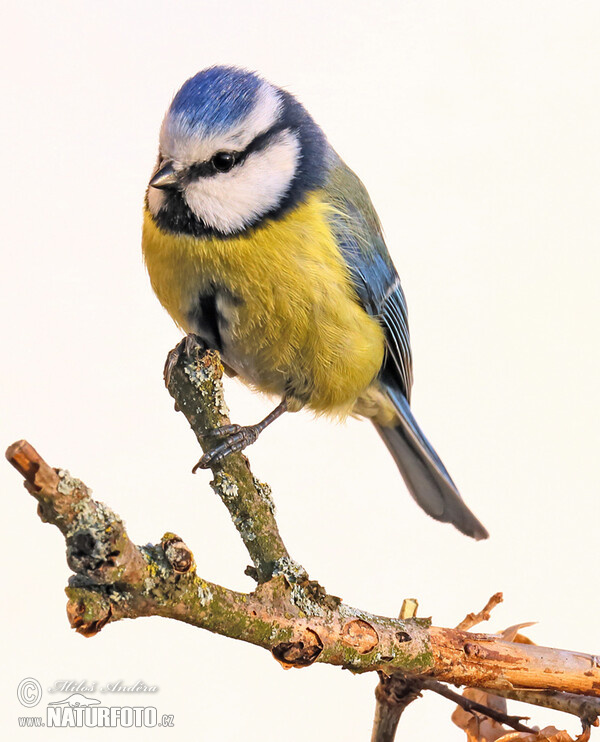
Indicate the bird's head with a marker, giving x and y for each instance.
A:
(234, 151)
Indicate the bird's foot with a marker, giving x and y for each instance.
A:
(181, 350)
(236, 438)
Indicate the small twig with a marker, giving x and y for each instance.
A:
(585, 708)
(472, 619)
(409, 608)
(472, 706)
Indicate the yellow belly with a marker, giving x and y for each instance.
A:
(297, 325)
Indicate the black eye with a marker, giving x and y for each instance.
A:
(223, 161)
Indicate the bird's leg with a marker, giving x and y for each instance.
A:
(236, 437)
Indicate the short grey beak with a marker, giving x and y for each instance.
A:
(165, 178)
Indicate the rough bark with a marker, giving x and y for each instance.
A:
(288, 614)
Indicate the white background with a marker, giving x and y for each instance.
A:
(475, 126)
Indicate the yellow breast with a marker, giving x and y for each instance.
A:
(295, 326)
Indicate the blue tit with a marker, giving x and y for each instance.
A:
(258, 238)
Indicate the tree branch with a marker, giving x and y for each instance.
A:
(194, 380)
(393, 694)
(288, 614)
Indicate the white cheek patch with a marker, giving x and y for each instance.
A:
(185, 147)
(231, 201)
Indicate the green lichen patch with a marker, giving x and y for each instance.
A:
(264, 492)
(205, 594)
(305, 602)
(245, 527)
(291, 570)
(219, 400)
(69, 484)
(226, 487)
(158, 570)
(198, 374)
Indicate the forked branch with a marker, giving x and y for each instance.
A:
(288, 614)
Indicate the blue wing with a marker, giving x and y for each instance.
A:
(377, 286)
(359, 236)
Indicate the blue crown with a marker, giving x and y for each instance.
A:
(216, 98)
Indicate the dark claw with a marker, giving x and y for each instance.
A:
(191, 342)
(238, 437)
(182, 349)
(170, 364)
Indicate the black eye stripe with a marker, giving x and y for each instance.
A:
(262, 140)
(200, 170)
(208, 169)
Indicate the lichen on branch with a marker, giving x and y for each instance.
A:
(287, 613)
(194, 378)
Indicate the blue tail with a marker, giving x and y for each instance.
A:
(425, 475)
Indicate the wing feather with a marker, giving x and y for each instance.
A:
(360, 238)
